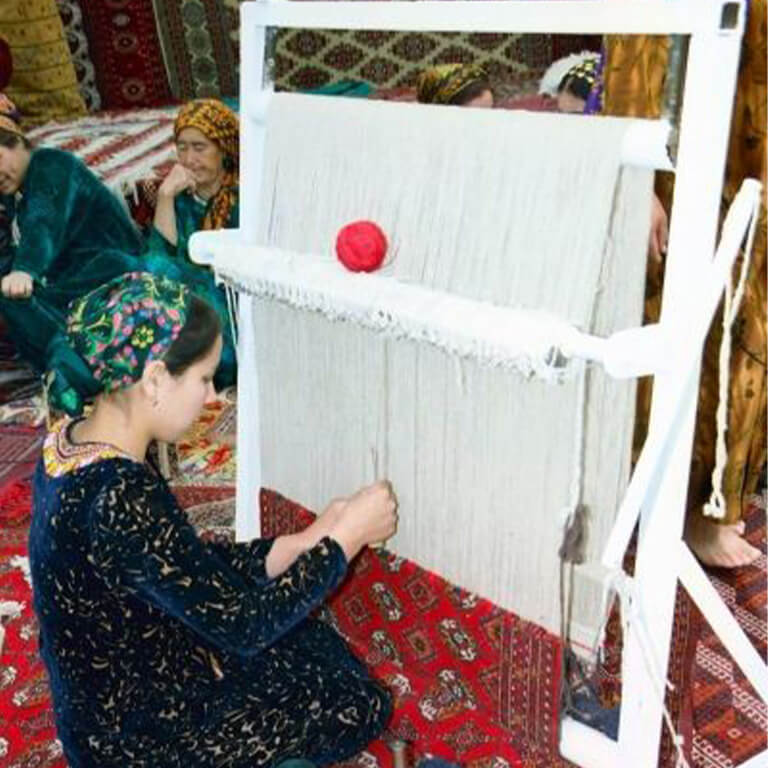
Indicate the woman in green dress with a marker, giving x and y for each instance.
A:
(200, 192)
(68, 235)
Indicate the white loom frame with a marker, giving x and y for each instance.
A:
(660, 480)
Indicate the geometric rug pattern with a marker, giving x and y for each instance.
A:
(722, 720)
(307, 58)
(730, 720)
(472, 683)
(19, 451)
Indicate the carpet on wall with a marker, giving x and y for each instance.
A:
(125, 50)
(306, 59)
(199, 42)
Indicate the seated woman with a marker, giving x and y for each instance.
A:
(463, 85)
(570, 80)
(200, 192)
(163, 650)
(68, 234)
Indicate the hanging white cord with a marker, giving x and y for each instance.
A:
(717, 506)
(577, 470)
(631, 614)
(232, 311)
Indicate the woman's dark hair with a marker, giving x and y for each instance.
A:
(9, 140)
(471, 91)
(196, 339)
(576, 85)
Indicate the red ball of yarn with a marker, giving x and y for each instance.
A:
(361, 246)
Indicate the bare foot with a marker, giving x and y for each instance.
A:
(723, 546)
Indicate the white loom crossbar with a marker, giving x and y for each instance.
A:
(528, 341)
(710, 75)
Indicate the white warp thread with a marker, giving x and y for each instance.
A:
(511, 209)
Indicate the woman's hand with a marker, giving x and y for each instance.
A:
(325, 522)
(16, 285)
(178, 180)
(657, 243)
(369, 516)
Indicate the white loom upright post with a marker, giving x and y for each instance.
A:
(252, 95)
(705, 125)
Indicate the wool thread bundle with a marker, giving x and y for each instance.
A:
(361, 246)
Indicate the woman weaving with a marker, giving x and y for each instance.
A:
(199, 192)
(163, 650)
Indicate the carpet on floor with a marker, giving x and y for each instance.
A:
(472, 683)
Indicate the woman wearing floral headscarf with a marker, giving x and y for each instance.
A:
(66, 234)
(163, 650)
(200, 192)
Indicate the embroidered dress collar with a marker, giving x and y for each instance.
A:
(62, 455)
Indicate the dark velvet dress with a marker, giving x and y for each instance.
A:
(163, 650)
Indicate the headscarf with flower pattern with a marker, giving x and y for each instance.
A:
(218, 123)
(124, 324)
(443, 83)
(9, 116)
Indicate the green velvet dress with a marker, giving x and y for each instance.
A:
(164, 258)
(70, 234)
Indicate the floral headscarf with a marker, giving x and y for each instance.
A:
(124, 324)
(9, 116)
(441, 84)
(218, 123)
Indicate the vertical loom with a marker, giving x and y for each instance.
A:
(657, 492)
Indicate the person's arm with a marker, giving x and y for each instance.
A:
(53, 191)
(659, 234)
(281, 553)
(177, 181)
(142, 542)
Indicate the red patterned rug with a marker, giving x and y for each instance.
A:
(730, 720)
(473, 684)
(722, 720)
(126, 54)
(27, 732)
(19, 451)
